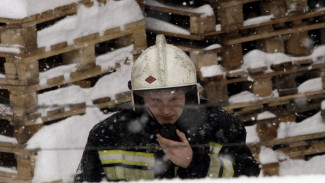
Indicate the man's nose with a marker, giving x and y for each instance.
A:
(165, 109)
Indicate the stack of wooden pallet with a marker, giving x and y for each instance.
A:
(225, 39)
(23, 64)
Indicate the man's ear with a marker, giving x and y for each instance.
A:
(130, 85)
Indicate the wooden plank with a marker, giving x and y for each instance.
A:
(26, 37)
(84, 58)
(271, 169)
(252, 108)
(15, 148)
(262, 87)
(111, 103)
(47, 14)
(290, 140)
(173, 10)
(287, 91)
(172, 34)
(277, 8)
(303, 62)
(250, 1)
(14, 180)
(102, 100)
(274, 101)
(257, 70)
(232, 55)
(8, 175)
(59, 46)
(298, 152)
(75, 76)
(189, 48)
(86, 38)
(79, 75)
(41, 53)
(56, 111)
(274, 21)
(62, 115)
(235, 73)
(50, 15)
(10, 20)
(78, 109)
(282, 66)
(230, 14)
(52, 82)
(55, 81)
(201, 25)
(122, 96)
(275, 33)
(298, 144)
(300, 6)
(278, 73)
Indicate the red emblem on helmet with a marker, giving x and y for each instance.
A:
(150, 79)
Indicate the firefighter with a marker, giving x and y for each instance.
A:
(170, 132)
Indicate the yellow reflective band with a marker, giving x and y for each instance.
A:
(118, 173)
(125, 162)
(129, 153)
(215, 147)
(228, 170)
(126, 157)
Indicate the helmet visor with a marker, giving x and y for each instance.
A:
(164, 93)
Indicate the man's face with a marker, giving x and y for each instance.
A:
(166, 106)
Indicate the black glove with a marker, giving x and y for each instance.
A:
(165, 168)
(168, 131)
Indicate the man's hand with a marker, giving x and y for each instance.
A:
(180, 153)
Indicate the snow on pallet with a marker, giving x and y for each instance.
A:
(86, 44)
(73, 50)
(63, 75)
(274, 35)
(283, 138)
(297, 147)
(263, 73)
(230, 14)
(196, 20)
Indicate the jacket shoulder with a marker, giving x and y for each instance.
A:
(226, 125)
(115, 121)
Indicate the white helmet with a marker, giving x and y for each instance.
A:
(163, 66)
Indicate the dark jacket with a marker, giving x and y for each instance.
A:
(124, 147)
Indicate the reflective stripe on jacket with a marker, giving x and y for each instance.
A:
(114, 149)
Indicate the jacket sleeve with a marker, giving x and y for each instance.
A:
(90, 168)
(229, 151)
(199, 165)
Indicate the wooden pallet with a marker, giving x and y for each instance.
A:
(78, 109)
(198, 23)
(228, 9)
(23, 65)
(43, 16)
(283, 78)
(269, 38)
(58, 12)
(245, 106)
(291, 142)
(297, 147)
(23, 81)
(25, 160)
(308, 17)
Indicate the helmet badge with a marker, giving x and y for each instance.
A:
(150, 79)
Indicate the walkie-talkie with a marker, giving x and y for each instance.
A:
(168, 131)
